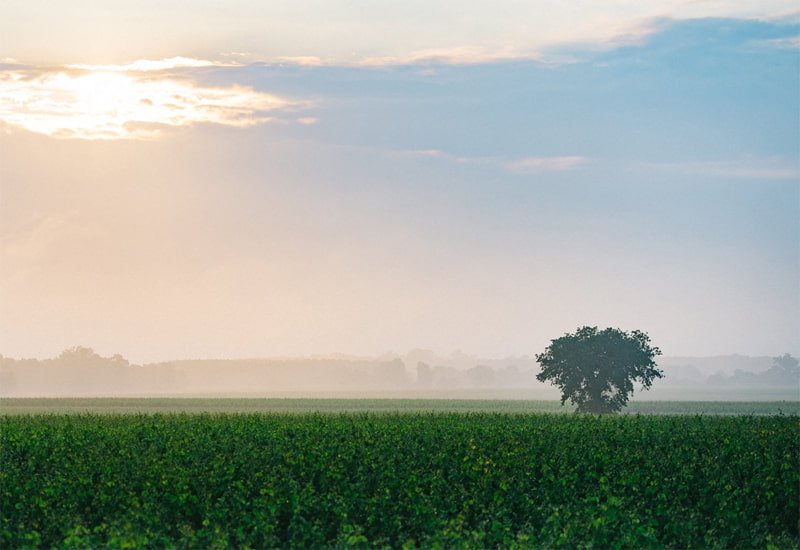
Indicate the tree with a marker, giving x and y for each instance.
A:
(785, 370)
(786, 364)
(596, 369)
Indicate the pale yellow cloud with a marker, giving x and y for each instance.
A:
(126, 103)
(339, 31)
(465, 55)
(148, 65)
(302, 60)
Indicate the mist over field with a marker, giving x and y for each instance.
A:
(80, 372)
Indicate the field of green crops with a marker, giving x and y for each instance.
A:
(415, 479)
(127, 405)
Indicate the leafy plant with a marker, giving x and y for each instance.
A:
(398, 480)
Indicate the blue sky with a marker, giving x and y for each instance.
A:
(485, 197)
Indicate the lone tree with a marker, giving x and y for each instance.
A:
(596, 369)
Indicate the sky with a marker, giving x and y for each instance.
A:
(205, 179)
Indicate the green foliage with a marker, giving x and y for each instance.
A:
(431, 480)
(596, 369)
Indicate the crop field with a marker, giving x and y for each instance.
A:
(399, 480)
(116, 405)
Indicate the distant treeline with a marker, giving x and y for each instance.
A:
(80, 371)
(785, 371)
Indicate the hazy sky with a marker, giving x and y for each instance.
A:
(232, 179)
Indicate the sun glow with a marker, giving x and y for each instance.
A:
(108, 104)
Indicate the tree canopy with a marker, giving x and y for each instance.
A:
(596, 369)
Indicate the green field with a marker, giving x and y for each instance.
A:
(414, 479)
(11, 406)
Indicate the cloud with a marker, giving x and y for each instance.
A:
(114, 104)
(465, 55)
(430, 153)
(748, 168)
(341, 32)
(151, 65)
(439, 154)
(532, 165)
(302, 60)
(786, 43)
(597, 30)
(525, 165)
(636, 33)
